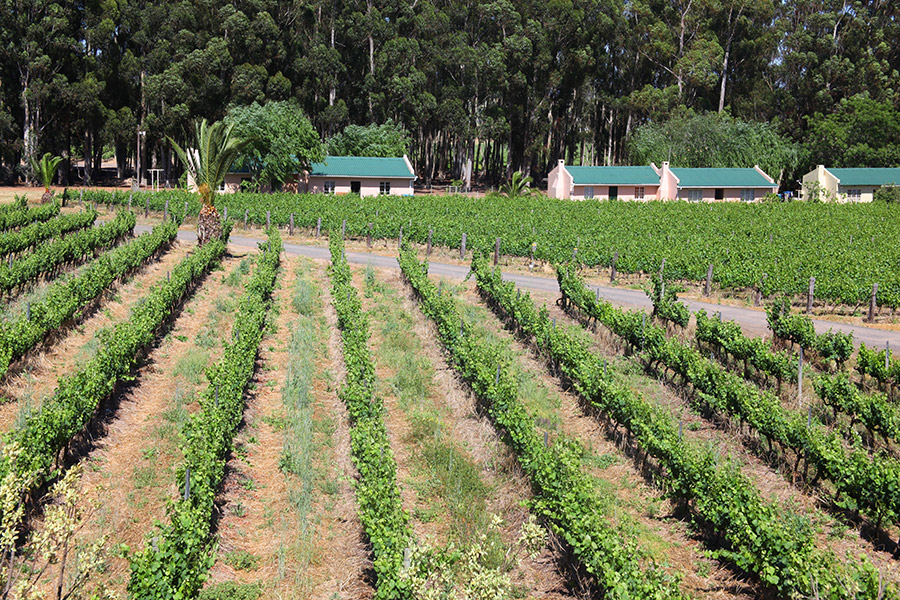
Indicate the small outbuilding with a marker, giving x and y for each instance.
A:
(659, 183)
(848, 184)
(363, 175)
(715, 184)
(585, 183)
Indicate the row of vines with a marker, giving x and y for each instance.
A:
(564, 495)
(773, 247)
(756, 536)
(174, 564)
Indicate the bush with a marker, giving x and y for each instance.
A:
(231, 591)
(889, 194)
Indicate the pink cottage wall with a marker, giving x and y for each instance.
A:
(729, 194)
(559, 182)
(626, 192)
(368, 187)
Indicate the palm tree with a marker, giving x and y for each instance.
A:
(215, 150)
(44, 170)
(519, 185)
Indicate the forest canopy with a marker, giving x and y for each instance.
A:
(503, 85)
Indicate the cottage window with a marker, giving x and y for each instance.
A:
(693, 195)
(589, 192)
(613, 192)
(384, 188)
(748, 195)
(328, 187)
(854, 195)
(639, 193)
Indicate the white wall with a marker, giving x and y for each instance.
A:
(866, 192)
(827, 182)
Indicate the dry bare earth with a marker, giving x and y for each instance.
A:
(296, 541)
(35, 377)
(129, 472)
(773, 483)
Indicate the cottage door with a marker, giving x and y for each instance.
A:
(355, 187)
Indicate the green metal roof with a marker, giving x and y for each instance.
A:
(362, 166)
(720, 178)
(613, 175)
(861, 176)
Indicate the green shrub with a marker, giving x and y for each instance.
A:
(889, 194)
(242, 560)
(231, 591)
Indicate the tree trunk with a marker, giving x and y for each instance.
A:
(681, 49)
(121, 159)
(88, 154)
(98, 155)
(209, 224)
(724, 79)
(29, 133)
(371, 53)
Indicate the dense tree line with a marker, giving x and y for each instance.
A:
(503, 85)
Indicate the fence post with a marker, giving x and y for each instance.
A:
(268, 220)
(129, 200)
(462, 248)
(369, 235)
(757, 298)
(533, 248)
(428, 245)
(800, 378)
(224, 215)
(709, 274)
(400, 239)
(81, 198)
(246, 214)
(344, 229)
(662, 283)
(291, 226)
(872, 303)
(612, 272)
(185, 210)
(318, 226)
(147, 208)
(496, 251)
(166, 211)
(809, 298)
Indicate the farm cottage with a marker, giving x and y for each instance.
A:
(366, 176)
(848, 185)
(659, 183)
(363, 175)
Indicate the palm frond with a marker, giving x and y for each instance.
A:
(215, 150)
(45, 168)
